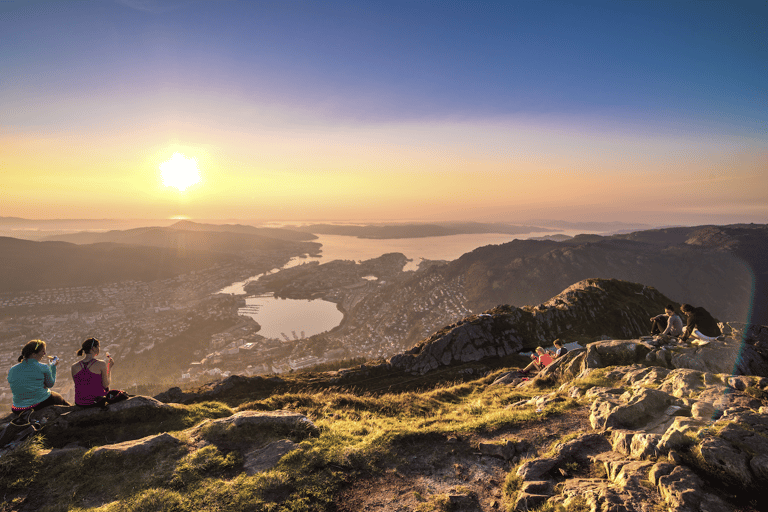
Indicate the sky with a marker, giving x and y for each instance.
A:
(636, 111)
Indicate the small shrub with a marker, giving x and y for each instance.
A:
(438, 503)
(512, 484)
(476, 409)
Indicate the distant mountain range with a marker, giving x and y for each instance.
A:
(30, 265)
(145, 254)
(217, 238)
(722, 268)
(377, 231)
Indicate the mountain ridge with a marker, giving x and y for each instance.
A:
(615, 423)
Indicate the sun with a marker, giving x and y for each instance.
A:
(180, 172)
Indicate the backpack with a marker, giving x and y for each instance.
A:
(18, 430)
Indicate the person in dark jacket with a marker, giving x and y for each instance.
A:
(560, 350)
(700, 324)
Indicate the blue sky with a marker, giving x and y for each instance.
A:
(643, 70)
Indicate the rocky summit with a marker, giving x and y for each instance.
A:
(588, 310)
(621, 424)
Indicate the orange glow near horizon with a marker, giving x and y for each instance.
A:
(429, 171)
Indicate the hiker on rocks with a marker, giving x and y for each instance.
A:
(91, 375)
(700, 325)
(560, 350)
(540, 360)
(668, 324)
(32, 379)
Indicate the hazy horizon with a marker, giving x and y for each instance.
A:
(385, 111)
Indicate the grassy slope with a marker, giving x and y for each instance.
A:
(358, 432)
(369, 435)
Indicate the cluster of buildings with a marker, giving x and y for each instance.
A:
(394, 316)
(180, 330)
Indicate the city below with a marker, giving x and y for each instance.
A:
(181, 330)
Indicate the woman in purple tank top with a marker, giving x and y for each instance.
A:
(91, 375)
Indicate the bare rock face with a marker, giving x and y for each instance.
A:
(262, 459)
(680, 437)
(138, 447)
(615, 352)
(633, 409)
(586, 310)
(472, 340)
(252, 433)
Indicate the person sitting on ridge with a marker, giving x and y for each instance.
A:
(540, 360)
(700, 325)
(667, 324)
(32, 379)
(560, 350)
(91, 375)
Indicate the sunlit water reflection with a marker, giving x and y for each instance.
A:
(285, 316)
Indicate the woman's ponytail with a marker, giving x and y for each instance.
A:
(88, 346)
(32, 347)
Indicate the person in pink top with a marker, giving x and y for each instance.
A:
(540, 360)
(91, 375)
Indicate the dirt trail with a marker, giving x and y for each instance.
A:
(439, 469)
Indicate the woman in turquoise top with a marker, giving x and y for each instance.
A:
(32, 379)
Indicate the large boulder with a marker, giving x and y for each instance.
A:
(615, 353)
(481, 336)
(633, 409)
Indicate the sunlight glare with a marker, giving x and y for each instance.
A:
(180, 172)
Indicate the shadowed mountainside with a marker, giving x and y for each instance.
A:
(143, 254)
(34, 265)
(722, 268)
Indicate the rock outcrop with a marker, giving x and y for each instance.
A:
(481, 336)
(686, 437)
(588, 310)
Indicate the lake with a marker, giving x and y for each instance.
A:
(278, 316)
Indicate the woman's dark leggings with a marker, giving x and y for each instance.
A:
(54, 399)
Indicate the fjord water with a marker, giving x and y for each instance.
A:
(286, 316)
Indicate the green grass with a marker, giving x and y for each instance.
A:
(596, 378)
(21, 467)
(356, 435)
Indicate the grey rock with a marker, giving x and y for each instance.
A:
(615, 353)
(262, 419)
(633, 409)
(538, 487)
(536, 469)
(681, 489)
(266, 458)
(504, 450)
(759, 466)
(525, 501)
(723, 456)
(141, 446)
(660, 469)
